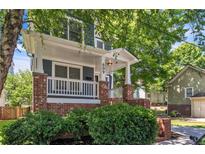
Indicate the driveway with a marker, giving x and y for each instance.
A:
(186, 132)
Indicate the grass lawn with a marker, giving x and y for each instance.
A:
(2, 124)
(185, 122)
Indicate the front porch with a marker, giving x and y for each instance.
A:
(68, 75)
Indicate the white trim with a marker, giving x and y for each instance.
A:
(73, 100)
(185, 90)
(82, 29)
(68, 65)
(100, 40)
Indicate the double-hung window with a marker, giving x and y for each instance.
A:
(75, 30)
(189, 91)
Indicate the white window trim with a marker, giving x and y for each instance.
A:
(185, 90)
(73, 66)
(82, 29)
(98, 39)
(67, 65)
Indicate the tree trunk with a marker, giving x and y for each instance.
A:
(11, 29)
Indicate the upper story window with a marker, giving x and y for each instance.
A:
(75, 30)
(189, 91)
(99, 43)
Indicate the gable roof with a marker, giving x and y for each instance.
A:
(184, 70)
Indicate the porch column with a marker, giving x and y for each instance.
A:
(103, 85)
(38, 60)
(127, 88)
(128, 74)
(39, 91)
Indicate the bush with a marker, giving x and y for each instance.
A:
(76, 123)
(175, 113)
(122, 124)
(36, 128)
(15, 133)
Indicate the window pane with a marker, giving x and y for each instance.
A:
(60, 71)
(88, 73)
(75, 31)
(189, 92)
(74, 73)
(99, 44)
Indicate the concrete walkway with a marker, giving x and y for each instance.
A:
(186, 132)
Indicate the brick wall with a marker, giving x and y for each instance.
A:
(64, 108)
(183, 109)
(103, 90)
(164, 124)
(142, 102)
(39, 91)
(127, 92)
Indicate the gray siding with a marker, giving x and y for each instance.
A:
(190, 78)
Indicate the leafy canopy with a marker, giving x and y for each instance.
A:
(147, 34)
(19, 88)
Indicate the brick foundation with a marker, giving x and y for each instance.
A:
(39, 91)
(183, 109)
(164, 124)
(64, 108)
(127, 92)
(142, 102)
(40, 97)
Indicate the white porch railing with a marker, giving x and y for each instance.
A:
(116, 92)
(73, 88)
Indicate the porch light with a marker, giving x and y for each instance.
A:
(109, 63)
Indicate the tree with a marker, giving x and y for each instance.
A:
(11, 21)
(147, 34)
(19, 88)
(183, 55)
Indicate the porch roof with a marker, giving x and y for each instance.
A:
(51, 43)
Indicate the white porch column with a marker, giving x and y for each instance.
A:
(38, 58)
(112, 86)
(102, 69)
(128, 74)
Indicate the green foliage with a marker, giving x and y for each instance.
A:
(19, 88)
(174, 113)
(15, 133)
(76, 122)
(122, 124)
(36, 128)
(136, 30)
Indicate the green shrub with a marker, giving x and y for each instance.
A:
(76, 122)
(122, 124)
(174, 113)
(36, 128)
(15, 133)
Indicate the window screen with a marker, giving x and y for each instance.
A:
(99, 44)
(61, 71)
(88, 73)
(74, 73)
(189, 92)
(75, 30)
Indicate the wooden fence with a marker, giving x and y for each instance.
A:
(8, 113)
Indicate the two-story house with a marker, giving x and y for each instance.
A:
(75, 70)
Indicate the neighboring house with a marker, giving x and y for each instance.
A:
(74, 72)
(157, 97)
(139, 93)
(186, 84)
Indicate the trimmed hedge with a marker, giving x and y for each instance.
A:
(122, 124)
(36, 128)
(76, 123)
